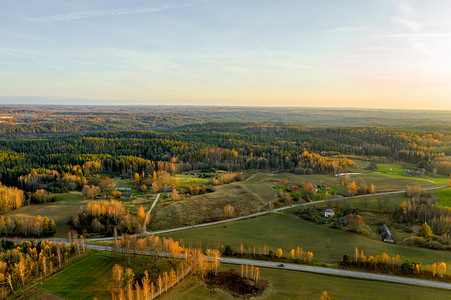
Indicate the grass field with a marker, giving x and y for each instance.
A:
(391, 168)
(202, 208)
(185, 180)
(288, 231)
(286, 284)
(445, 196)
(393, 201)
(61, 214)
(91, 276)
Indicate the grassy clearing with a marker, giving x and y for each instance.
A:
(185, 180)
(373, 202)
(90, 277)
(70, 198)
(286, 284)
(288, 231)
(445, 196)
(203, 208)
(391, 168)
(61, 214)
(424, 181)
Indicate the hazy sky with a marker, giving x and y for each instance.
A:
(353, 53)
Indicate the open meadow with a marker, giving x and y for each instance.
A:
(445, 196)
(287, 231)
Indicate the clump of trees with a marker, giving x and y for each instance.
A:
(378, 262)
(228, 178)
(38, 179)
(229, 211)
(297, 255)
(439, 269)
(125, 286)
(10, 198)
(313, 163)
(356, 187)
(435, 220)
(106, 216)
(90, 191)
(42, 196)
(21, 263)
(27, 227)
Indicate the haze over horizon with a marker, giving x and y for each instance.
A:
(358, 54)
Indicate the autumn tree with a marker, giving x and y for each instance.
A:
(325, 296)
(229, 211)
(425, 231)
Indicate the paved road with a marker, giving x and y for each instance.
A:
(262, 213)
(313, 269)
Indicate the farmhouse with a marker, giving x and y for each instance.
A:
(328, 213)
(166, 189)
(123, 189)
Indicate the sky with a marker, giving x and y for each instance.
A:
(347, 53)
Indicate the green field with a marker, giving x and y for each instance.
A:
(391, 169)
(286, 284)
(185, 180)
(445, 196)
(288, 231)
(91, 276)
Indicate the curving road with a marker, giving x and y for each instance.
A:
(313, 269)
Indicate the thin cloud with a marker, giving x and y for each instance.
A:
(263, 47)
(405, 7)
(105, 13)
(409, 24)
(420, 34)
(347, 29)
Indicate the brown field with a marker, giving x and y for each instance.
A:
(61, 214)
(203, 208)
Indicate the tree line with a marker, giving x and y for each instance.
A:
(21, 263)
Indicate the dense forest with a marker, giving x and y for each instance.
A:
(49, 156)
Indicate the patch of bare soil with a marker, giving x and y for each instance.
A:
(231, 282)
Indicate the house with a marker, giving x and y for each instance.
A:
(123, 189)
(387, 234)
(328, 213)
(100, 196)
(166, 189)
